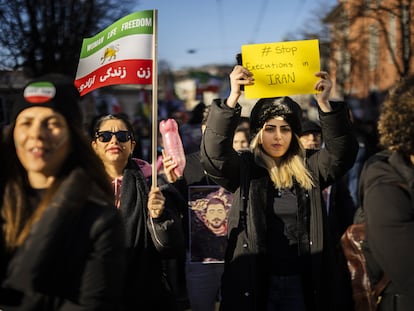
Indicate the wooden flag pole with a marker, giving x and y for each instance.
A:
(154, 99)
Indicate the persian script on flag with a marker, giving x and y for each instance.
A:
(281, 68)
(120, 54)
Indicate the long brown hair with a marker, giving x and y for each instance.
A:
(16, 213)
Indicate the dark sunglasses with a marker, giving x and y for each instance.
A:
(121, 136)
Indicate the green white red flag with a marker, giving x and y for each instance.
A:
(120, 54)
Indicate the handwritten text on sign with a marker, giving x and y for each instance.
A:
(281, 68)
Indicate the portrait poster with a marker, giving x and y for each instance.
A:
(208, 208)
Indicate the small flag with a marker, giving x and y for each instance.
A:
(120, 54)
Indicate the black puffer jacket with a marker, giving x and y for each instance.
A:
(245, 276)
(74, 257)
(387, 195)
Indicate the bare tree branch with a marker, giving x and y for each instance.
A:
(41, 36)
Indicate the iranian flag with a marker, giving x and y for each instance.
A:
(120, 54)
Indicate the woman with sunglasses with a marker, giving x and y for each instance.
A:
(152, 227)
(62, 240)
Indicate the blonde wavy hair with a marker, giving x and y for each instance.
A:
(285, 171)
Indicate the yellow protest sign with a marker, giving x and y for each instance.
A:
(281, 68)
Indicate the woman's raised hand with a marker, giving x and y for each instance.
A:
(324, 87)
(238, 77)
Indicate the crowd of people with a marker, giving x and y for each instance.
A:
(253, 223)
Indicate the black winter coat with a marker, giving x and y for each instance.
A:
(387, 196)
(244, 283)
(148, 242)
(74, 256)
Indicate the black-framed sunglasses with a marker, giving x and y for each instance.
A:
(121, 136)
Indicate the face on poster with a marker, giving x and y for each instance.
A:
(208, 215)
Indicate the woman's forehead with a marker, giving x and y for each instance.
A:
(38, 112)
(276, 121)
(112, 123)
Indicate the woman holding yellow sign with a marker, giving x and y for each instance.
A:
(279, 255)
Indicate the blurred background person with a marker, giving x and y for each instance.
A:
(244, 122)
(190, 132)
(63, 241)
(241, 139)
(368, 145)
(311, 135)
(337, 197)
(153, 228)
(387, 196)
(340, 209)
(202, 280)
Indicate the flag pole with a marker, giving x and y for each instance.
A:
(154, 99)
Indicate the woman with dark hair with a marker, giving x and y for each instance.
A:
(153, 228)
(241, 138)
(62, 238)
(387, 193)
(278, 256)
